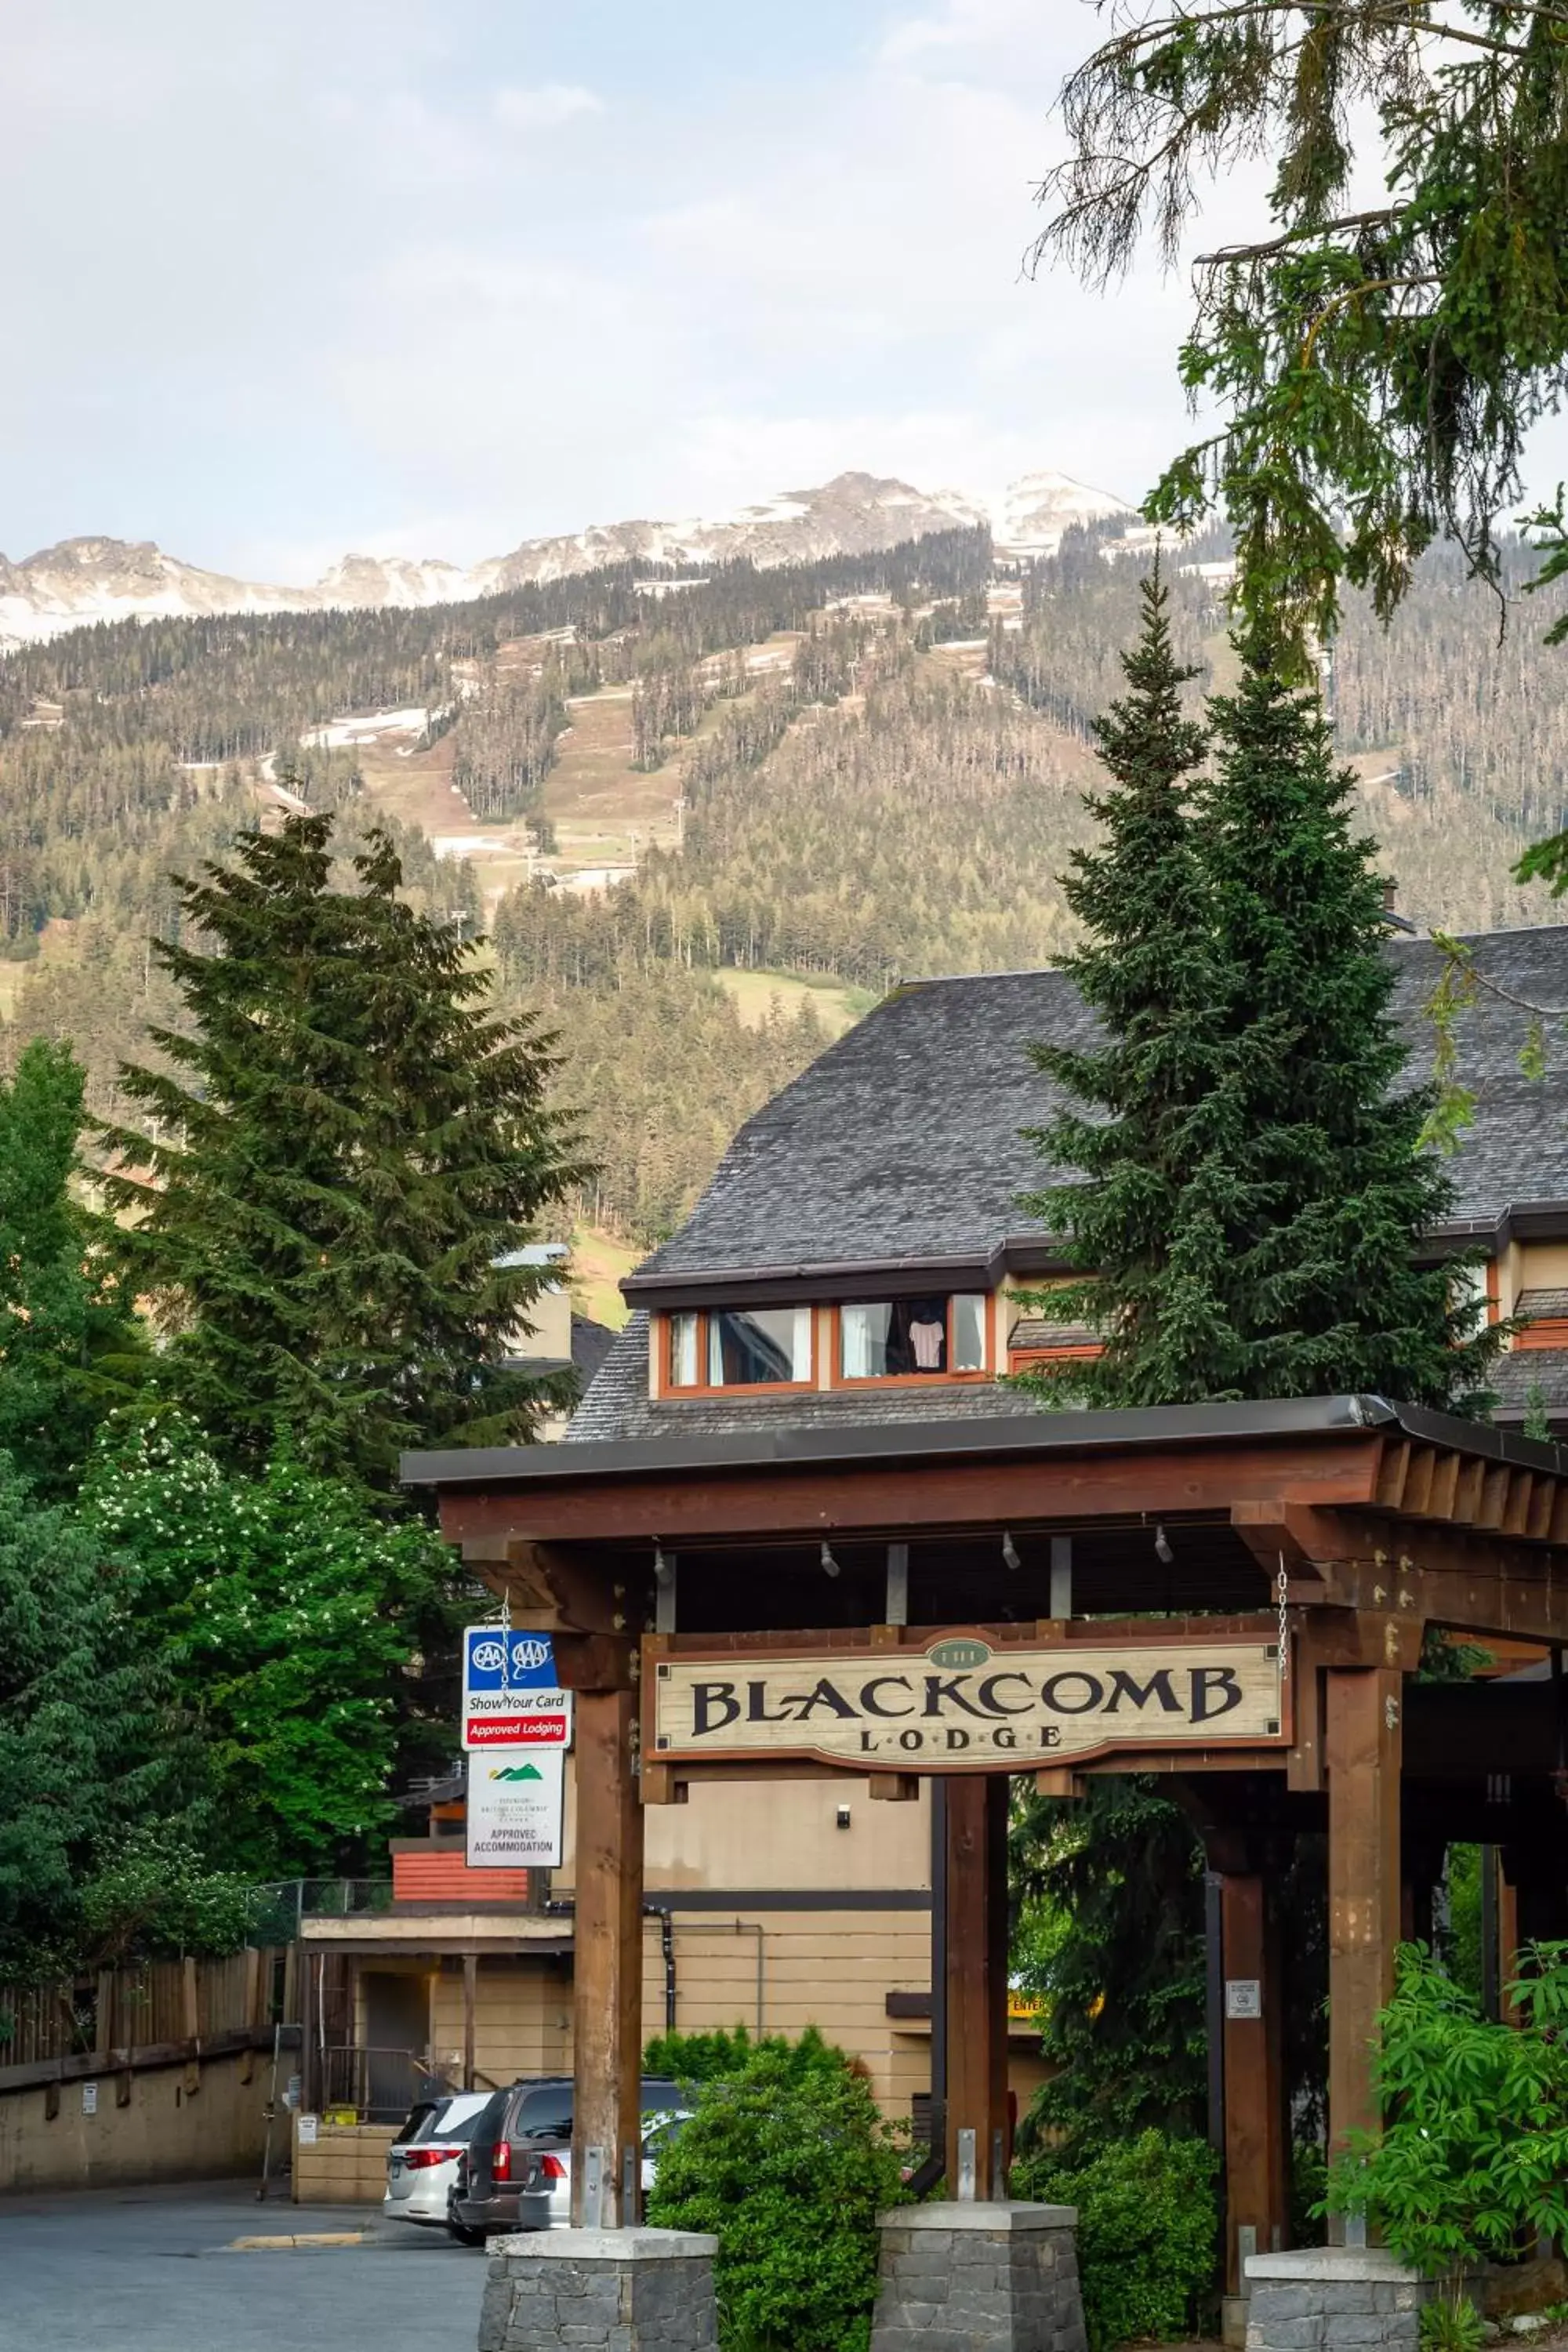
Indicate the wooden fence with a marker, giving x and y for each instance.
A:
(148, 2014)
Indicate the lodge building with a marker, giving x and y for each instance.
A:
(802, 1529)
(860, 1256)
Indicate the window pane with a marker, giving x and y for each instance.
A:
(863, 1344)
(893, 1338)
(969, 1333)
(802, 1343)
(683, 1352)
(748, 1347)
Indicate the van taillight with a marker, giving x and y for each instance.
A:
(552, 2169)
(500, 2163)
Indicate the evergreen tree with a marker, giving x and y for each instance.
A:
(347, 1150)
(1110, 1889)
(1254, 1190)
(1144, 1225)
(68, 1339)
(1333, 1192)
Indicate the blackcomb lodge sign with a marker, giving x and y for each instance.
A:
(963, 1702)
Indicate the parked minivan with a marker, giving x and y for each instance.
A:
(422, 2162)
(506, 2179)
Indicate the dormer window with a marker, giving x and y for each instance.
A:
(941, 1336)
(739, 1348)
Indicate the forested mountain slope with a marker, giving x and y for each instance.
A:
(838, 773)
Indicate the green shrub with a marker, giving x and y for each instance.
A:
(707, 2057)
(1474, 2149)
(1148, 2230)
(788, 2162)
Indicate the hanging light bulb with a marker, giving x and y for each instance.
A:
(830, 1565)
(663, 1569)
(1162, 1548)
(1010, 1551)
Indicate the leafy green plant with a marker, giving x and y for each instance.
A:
(1475, 2147)
(1451, 2322)
(1148, 2229)
(788, 2163)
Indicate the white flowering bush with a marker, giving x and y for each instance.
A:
(292, 1614)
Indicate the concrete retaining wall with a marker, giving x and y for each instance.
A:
(195, 2121)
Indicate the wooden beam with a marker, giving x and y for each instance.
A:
(976, 2086)
(1362, 1637)
(606, 1992)
(1418, 1480)
(1394, 1461)
(1093, 1633)
(1364, 1755)
(548, 1589)
(1494, 1496)
(1304, 1774)
(470, 2018)
(1256, 2173)
(596, 1661)
(892, 1498)
(1532, 1608)
(1445, 1485)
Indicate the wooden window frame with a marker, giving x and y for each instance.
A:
(838, 1379)
(668, 1387)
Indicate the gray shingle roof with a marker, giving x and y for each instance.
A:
(903, 1141)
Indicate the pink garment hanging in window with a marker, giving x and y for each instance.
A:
(926, 1340)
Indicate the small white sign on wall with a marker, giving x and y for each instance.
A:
(1242, 1996)
(308, 2128)
(90, 2098)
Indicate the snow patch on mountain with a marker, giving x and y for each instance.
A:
(87, 580)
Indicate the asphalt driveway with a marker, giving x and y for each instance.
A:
(154, 2270)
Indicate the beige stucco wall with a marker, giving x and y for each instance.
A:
(168, 2132)
(760, 1836)
(829, 1969)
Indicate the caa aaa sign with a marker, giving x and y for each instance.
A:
(511, 1692)
(961, 1701)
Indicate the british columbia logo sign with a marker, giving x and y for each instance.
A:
(961, 1701)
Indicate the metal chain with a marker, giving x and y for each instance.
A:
(1282, 1588)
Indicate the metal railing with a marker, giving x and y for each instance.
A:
(282, 1905)
(373, 2086)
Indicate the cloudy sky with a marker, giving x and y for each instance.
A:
(288, 278)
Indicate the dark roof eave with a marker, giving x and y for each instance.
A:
(829, 1279)
(1018, 1253)
(1023, 1432)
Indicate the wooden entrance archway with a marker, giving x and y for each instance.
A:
(1196, 1533)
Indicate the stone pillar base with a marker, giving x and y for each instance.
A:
(978, 2278)
(601, 2290)
(1333, 2299)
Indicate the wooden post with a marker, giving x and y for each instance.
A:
(1256, 2189)
(470, 2001)
(1362, 1755)
(976, 2036)
(607, 2005)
